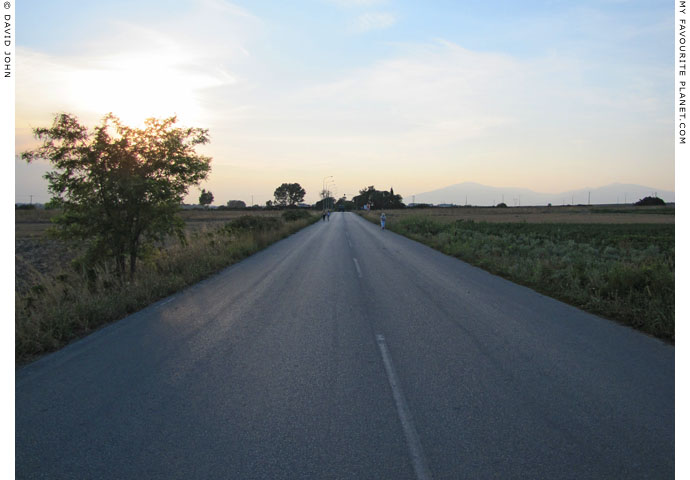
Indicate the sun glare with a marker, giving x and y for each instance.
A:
(153, 85)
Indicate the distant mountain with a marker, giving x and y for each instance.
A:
(471, 193)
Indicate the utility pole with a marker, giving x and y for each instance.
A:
(589, 196)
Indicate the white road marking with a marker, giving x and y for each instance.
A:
(415, 447)
(359, 271)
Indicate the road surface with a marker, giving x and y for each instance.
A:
(345, 351)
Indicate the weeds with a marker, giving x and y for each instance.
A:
(59, 308)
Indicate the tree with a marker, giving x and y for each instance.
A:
(206, 198)
(378, 199)
(119, 188)
(289, 194)
(344, 205)
(649, 201)
(236, 204)
(326, 203)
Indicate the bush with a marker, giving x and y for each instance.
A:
(292, 215)
(501, 205)
(250, 223)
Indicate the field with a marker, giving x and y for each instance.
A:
(36, 253)
(576, 214)
(57, 301)
(618, 262)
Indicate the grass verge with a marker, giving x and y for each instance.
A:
(621, 271)
(58, 309)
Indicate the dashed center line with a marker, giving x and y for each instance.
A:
(413, 444)
(359, 271)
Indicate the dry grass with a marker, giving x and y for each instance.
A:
(37, 255)
(55, 303)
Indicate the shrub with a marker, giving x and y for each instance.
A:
(292, 215)
(250, 223)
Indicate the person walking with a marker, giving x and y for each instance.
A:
(323, 216)
(328, 215)
(383, 221)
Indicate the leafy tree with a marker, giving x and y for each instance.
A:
(206, 198)
(119, 188)
(289, 194)
(236, 204)
(326, 203)
(649, 201)
(378, 199)
(344, 205)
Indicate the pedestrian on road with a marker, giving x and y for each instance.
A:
(328, 215)
(383, 221)
(323, 217)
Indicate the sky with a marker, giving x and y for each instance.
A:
(548, 95)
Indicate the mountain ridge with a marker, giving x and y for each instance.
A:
(473, 193)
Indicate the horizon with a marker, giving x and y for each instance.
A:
(370, 92)
(634, 191)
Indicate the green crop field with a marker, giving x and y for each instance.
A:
(623, 271)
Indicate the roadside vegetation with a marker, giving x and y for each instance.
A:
(623, 271)
(55, 307)
(118, 238)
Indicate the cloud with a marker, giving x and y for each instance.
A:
(373, 21)
(139, 72)
(432, 93)
(421, 113)
(485, 114)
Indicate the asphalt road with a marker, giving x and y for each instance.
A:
(345, 351)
